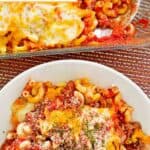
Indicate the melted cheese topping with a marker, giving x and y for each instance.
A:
(46, 24)
(65, 117)
(20, 109)
(101, 117)
(75, 121)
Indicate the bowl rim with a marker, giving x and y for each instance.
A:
(96, 64)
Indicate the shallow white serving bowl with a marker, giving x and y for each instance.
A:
(65, 70)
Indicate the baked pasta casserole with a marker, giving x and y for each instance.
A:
(76, 115)
(29, 26)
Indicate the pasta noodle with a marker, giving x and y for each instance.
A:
(34, 26)
(76, 115)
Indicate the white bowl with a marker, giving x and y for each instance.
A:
(65, 70)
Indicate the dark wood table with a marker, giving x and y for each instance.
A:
(134, 63)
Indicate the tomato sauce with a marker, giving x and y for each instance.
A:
(144, 22)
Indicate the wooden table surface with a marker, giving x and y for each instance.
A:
(134, 63)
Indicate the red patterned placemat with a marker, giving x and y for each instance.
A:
(134, 63)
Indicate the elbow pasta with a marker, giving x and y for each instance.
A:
(35, 26)
(108, 9)
(130, 29)
(47, 116)
(107, 12)
(36, 94)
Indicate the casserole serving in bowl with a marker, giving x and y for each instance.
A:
(106, 96)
